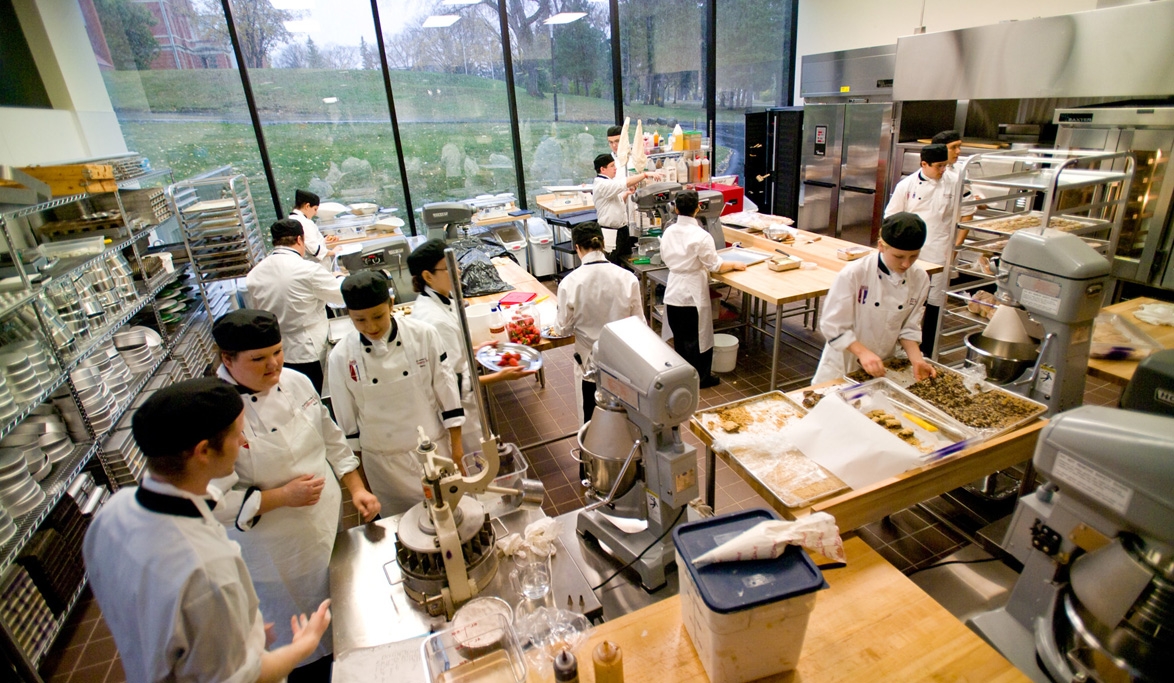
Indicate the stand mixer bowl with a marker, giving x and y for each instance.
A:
(604, 444)
(1004, 361)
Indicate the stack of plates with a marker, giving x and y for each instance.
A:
(124, 458)
(25, 612)
(18, 492)
(21, 377)
(65, 405)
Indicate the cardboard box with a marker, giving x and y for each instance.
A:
(69, 179)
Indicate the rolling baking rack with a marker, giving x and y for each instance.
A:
(220, 231)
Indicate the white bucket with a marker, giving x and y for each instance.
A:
(479, 316)
(725, 352)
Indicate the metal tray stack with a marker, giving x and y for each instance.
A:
(222, 237)
(194, 351)
(124, 459)
(24, 610)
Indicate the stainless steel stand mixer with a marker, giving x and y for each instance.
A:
(637, 467)
(709, 210)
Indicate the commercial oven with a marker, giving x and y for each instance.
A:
(1144, 248)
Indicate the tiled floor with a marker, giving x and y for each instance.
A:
(527, 414)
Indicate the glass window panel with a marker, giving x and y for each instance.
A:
(753, 50)
(565, 94)
(320, 97)
(172, 79)
(450, 99)
(663, 63)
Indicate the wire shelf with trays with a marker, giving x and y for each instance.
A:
(59, 622)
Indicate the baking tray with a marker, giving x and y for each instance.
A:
(976, 387)
(793, 478)
(740, 255)
(913, 413)
(211, 205)
(903, 377)
(1002, 224)
(1120, 339)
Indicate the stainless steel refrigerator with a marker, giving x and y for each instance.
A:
(1147, 233)
(845, 163)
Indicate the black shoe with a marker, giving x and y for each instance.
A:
(711, 381)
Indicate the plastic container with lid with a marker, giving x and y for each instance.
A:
(746, 619)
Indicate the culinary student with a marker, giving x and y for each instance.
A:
(305, 208)
(387, 377)
(688, 251)
(875, 304)
(952, 139)
(931, 196)
(282, 503)
(610, 193)
(613, 141)
(172, 587)
(594, 294)
(297, 292)
(430, 279)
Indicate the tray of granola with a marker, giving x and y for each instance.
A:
(761, 415)
(985, 408)
(905, 416)
(792, 477)
(1005, 225)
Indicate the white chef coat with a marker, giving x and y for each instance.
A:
(610, 211)
(437, 310)
(594, 294)
(933, 201)
(382, 390)
(290, 433)
(316, 248)
(173, 589)
(870, 305)
(688, 251)
(296, 291)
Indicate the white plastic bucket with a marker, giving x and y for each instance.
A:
(725, 352)
(479, 316)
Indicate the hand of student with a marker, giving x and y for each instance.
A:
(491, 342)
(307, 631)
(872, 363)
(304, 490)
(739, 266)
(330, 239)
(922, 369)
(270, 634)
(366, 503)
(510, 373)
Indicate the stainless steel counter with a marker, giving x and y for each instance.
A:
(371, 608)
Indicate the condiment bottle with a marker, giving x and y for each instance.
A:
(609, 663)
(497, 325)
(566, 669)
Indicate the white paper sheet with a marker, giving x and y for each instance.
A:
(399, 662)
(852, 447)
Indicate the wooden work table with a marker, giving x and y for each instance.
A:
(871, 624)
(1121, 371)
(554, 205)
(855, 508)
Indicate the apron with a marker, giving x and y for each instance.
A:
(704, 314)
(876, 327)
(399, 403)
(288, 550)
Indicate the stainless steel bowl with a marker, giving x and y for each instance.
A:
(602, 452)
(1004, 361)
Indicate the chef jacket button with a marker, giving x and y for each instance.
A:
(254, 399)
(374, 380)
(397, 343)
(274, 429)
(367, 350)
(405, 373)
(877, 304)
(900, 307)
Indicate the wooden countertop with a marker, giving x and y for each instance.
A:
(1121, 371)
(871, 624)
(522, 281)
(857, 507)
(557, 207)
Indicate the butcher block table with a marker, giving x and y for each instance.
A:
(871, 624)
(1121, 371)
(857, 507)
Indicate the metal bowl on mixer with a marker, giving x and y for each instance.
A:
(1004, 361)
(604, 444)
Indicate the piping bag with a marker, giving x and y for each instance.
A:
(767, 540)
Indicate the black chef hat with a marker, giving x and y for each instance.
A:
(932, 154)
(904, 231)
(612, 131)
(286, 227)
(426, 256)
(583, 233)
(181, 415)
(602, 161)
(365, 289)
(246, 330)
(946, 137)
(302, 197)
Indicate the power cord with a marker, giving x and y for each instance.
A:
(943, 564)
(650, 547)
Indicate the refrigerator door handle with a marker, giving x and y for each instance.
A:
(818, 183)
(851, 188)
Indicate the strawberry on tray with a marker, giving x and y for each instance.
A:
(509, 355)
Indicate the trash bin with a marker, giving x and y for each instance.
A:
(541, 247)
(725, 352)
(514, 242)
